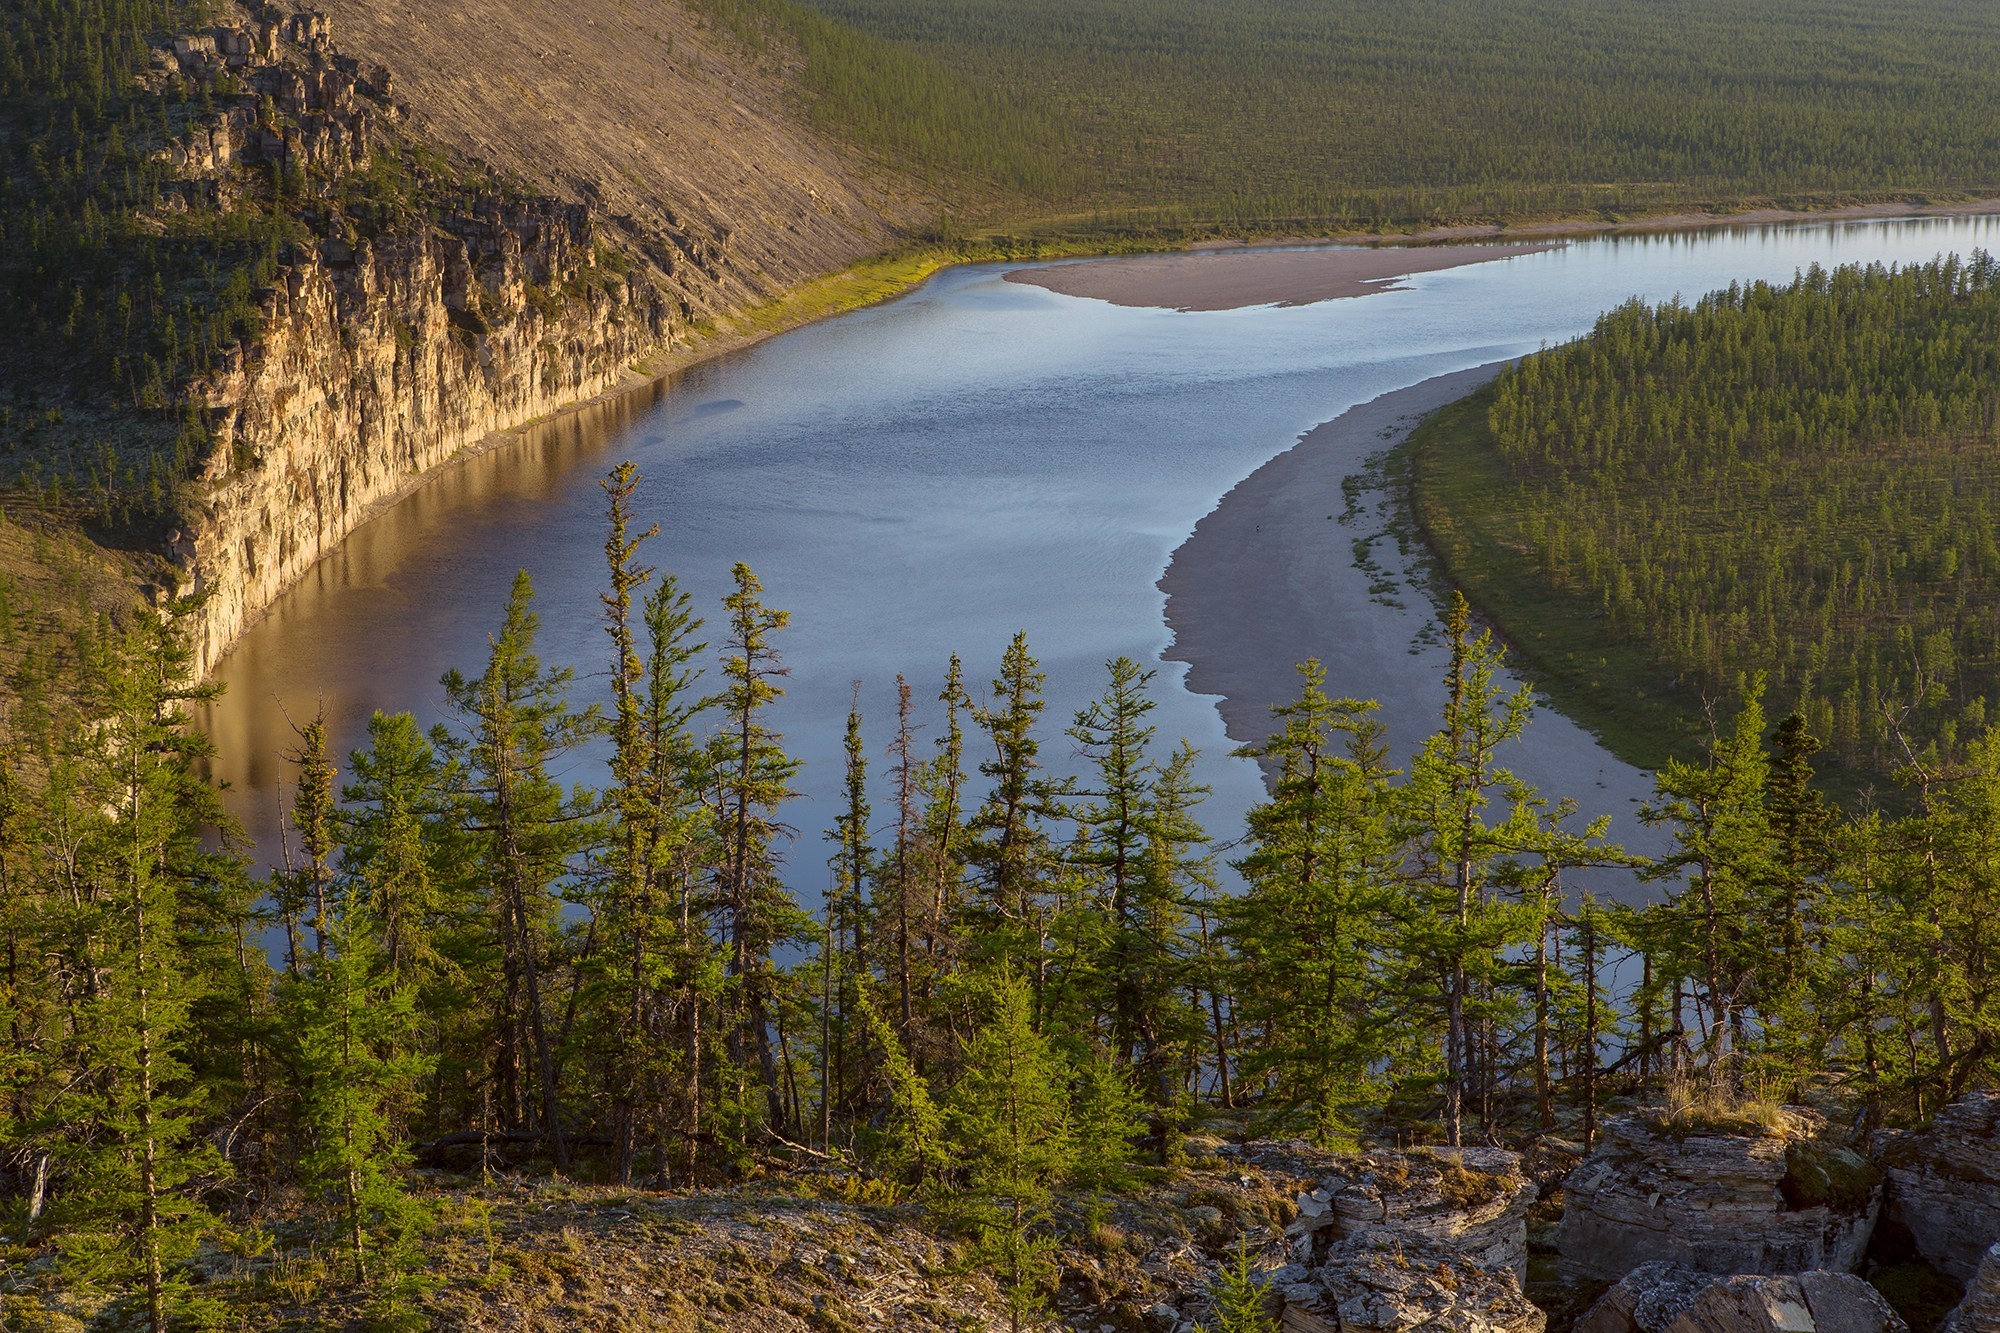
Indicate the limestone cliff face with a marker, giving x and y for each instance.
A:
(382, 360)
(388, 348)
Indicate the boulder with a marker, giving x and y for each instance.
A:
(1979, 1312)
(1386, 1282)
(1471, 1200)
(1719, 1198)
(1944, 1183)
(1670, 1298)
(1434, 1239)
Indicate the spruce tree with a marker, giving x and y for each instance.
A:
(354, 1028)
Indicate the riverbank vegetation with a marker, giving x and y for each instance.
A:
(1021, 980)
(1793, 480)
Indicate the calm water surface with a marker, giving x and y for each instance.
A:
(926, 477)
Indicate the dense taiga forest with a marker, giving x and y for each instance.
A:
(1279, 113)
(1796, 480)
(1017, 983)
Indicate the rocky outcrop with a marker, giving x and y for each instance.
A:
(1667, 1298)
(1944, 1183)
(380, 360)
(508, 243)
(1404, 1240)
(1473, 1201)
(1720, 1201)
(1979, 1312)
(1388, 1282)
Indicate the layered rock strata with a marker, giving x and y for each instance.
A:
(1719, 1202)
(1944, 1184)
(1390, 1282)
(380, 361)
(384, 350)
(1667, 1298)
(1405, 1240)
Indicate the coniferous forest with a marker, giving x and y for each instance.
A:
(1018, 983)
(1797, 480)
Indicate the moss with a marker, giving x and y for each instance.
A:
(1823, 1175)
(1918, 1292)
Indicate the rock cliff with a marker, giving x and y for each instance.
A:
(398, 336)
(1716, 1200)
(1666, 1298)
(1944, 1183)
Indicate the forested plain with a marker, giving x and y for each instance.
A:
(1023, 980)
(1275, 114)
(1796, 480)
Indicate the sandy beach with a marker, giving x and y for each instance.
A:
(1232, 279)
(1270, 578)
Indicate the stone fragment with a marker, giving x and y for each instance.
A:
(1670, 1298)
(1388, 1282)
(1472, 1200)
(1720, 1199)
(1979, 1312)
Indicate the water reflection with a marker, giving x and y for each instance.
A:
(926, 477)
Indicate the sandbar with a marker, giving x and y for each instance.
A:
(1232, 279)
(1272, 577)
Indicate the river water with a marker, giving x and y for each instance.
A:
(928, 476)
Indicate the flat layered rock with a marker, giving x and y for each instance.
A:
(1669, 1298)
(1386, 1282)
(1432, 1240)
(1944, 1183)
(1473, 1201)
(1717, 1199)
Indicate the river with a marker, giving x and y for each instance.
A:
(929, 475)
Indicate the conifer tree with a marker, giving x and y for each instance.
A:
(843, 957)
(1308, 931)
(1475, 887)
(522, 833)
(1010, 1121)
(1010, 844)
(1722, 863)
(132, 1160)
(1241, 1304)
(754, 776)
(354, 1027)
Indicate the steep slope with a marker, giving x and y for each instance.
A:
(693, 147)
(635, 184)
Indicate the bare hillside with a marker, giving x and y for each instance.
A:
(689, 144)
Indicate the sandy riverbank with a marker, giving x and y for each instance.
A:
(1270, 578)
(1231, 279)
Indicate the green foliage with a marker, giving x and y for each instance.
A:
(1776, 479)
(1242, 1303)
(354, 1025)
(1309, 929)
(1271, 113)
(1010, 1122)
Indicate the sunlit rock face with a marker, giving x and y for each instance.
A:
(1667, 1298)
(1944, 1184)
(1719, 1199)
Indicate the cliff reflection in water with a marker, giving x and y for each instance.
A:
(381, 586)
